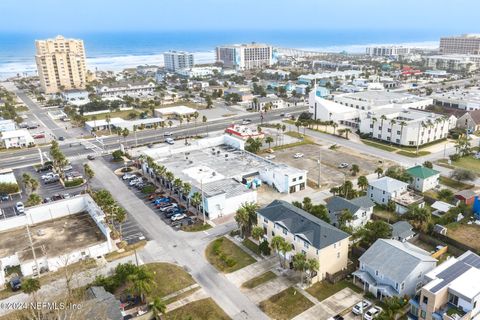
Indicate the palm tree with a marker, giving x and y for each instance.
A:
(269, 140)
(31, 286)
(362, 182)
(141, 282)
(158, 307)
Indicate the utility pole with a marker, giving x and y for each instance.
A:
(33, 249)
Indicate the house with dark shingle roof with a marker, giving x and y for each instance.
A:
(307, 234)
(393, 268)
(423, 178)
(361, 208)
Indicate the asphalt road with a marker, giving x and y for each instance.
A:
(75, 149)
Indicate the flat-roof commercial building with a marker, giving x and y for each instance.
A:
(61, 64)
(62, 232)
(177, 60)
(463, 99)
(463, 44)
(245, 56)
(307, 234)
(226, 173)
(452, 291)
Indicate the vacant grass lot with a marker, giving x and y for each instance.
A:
(168, 278)
(261, 279)
(468, 234)
(286, 304)
(201, 309)
(322, 290)
(226, 256)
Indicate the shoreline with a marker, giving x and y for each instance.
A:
(119, 62)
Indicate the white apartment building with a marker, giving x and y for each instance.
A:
(245, 56)
(121, 89)
(463, 44)
(453, 62)
(388, 51)
(177, 60)
(406, 127)
(16, 139)
(61, 64)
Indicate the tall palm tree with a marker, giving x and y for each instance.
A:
(158, 307)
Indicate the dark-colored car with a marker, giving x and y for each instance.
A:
(16, 283)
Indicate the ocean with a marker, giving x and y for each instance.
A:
(115, 51)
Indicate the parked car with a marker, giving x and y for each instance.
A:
(15, 283)
(19, 207)
(372, 313)
(298, 155)
(178, 216)
(170, 141)
(343, 165)
(270, 157)
(361, 307)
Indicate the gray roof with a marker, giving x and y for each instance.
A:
(402, 230)
(299, 222)
(394, 259)
(388, 184)
(105, 306)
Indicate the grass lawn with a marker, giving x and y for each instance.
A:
(385, 215)
(199, 226)
(454, 183)
(226, 256)
(255, 282)
(201, 309)
(252, 246)
(469, 163)
(468, 234)
(322, 290)
(286, 304)
(168, 278)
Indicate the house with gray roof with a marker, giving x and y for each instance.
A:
(402, 231)
(361, 208)
(307, 234)
(393, 268)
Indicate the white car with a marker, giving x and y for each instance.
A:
(19, 207)
(178, 216)
(270, 157)
(372, 313)
(361, 307)
(343, 165)
(298, 155)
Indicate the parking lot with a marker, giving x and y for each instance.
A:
(331, 175)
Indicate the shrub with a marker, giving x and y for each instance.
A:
(73, 183)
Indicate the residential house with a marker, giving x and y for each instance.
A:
(307, 234)
(393, 268)
(387, 189)
(470, 121)
(16, 139)
(466, 196)
(402, 231)
(451, 291)
(423, 178)
(361, 208)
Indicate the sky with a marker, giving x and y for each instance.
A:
(63, 16)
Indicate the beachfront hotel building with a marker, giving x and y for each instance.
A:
(178, 60)
(61, 64)
(245, 56)
(464, 44)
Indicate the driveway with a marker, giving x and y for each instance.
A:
(187, 249)
(331, 306)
